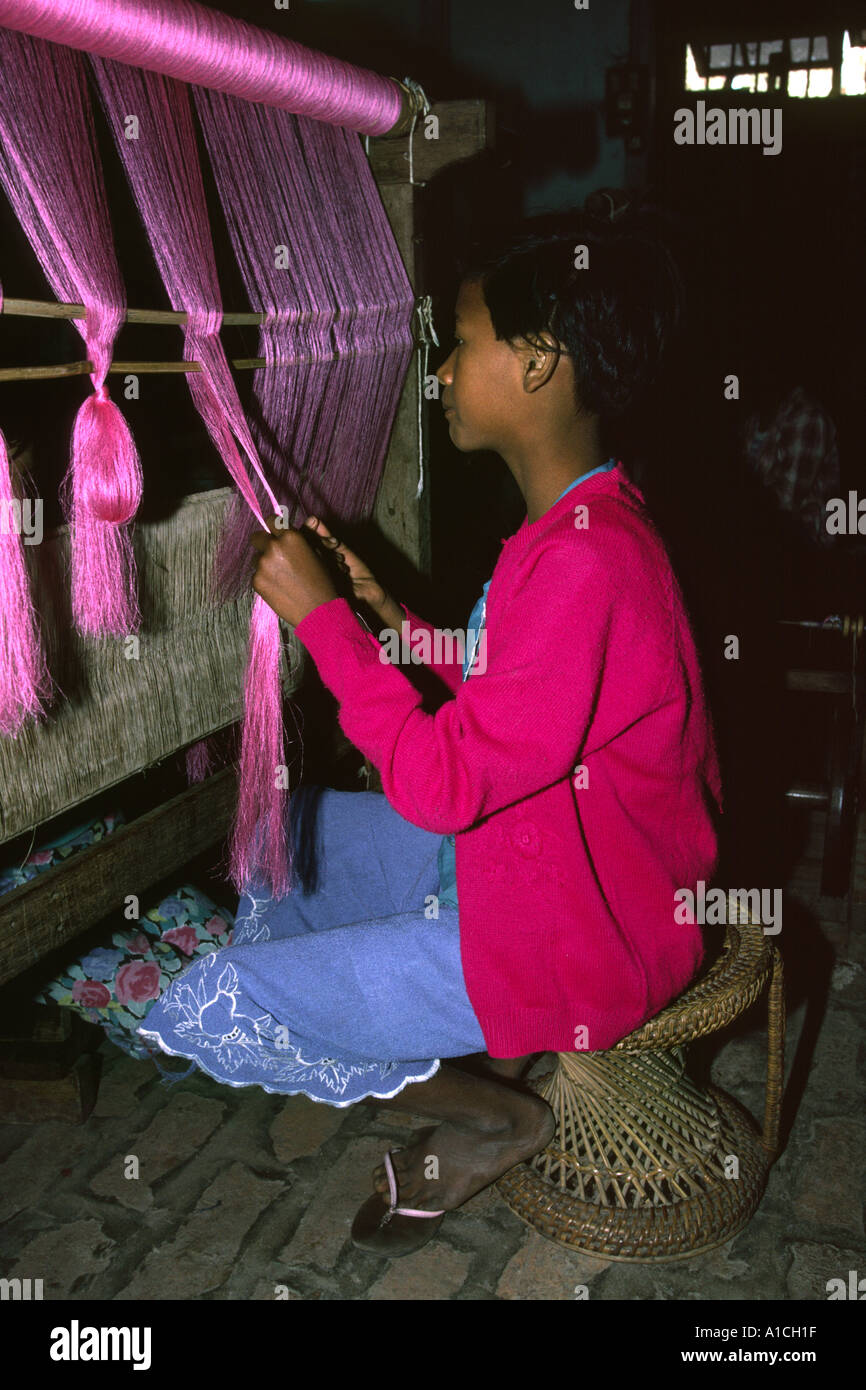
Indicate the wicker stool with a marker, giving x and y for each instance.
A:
(645, 1165)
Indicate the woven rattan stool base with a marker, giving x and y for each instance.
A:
(646, 1165)
(679, 1202)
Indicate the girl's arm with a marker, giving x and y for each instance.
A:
(451, 672)
(391, 615)
(517, 727)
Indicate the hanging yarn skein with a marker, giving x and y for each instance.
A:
(24, 682)
(184, 40)
(23, 674)
(50, 171)
(164, 175)
(336, 336)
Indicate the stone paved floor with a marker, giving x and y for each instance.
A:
(243, 1194)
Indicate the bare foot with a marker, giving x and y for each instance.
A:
(509, 1068)
(458, 1160)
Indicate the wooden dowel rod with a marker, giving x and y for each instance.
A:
(126, 368)
(85, 367)
(45, 309)
(38, 373)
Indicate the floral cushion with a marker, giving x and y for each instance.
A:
(116, 986)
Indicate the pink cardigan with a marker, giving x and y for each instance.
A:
(566, 892)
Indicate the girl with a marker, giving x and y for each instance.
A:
(561, 793)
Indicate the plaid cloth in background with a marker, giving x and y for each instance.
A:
(797, 459)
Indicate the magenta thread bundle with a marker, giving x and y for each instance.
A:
(317, 258)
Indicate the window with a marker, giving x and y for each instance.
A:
(814, 66)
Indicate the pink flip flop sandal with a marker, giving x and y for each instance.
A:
(375, 1229)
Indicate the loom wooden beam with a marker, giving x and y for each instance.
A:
(403, 517)
(462, 129)
(86, 368)
(53, 908)
(56, 309)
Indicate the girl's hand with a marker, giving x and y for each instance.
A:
(364, 584)
(289, 577)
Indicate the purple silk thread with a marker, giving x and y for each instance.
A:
(50, 172)
(164, 174)
(193, 44)
(199, 761)
(337, 303)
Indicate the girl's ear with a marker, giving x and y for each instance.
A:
(540, 360)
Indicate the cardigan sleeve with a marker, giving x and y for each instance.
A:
(509, 731)
(451, 672)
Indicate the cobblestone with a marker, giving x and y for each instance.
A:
(119, 1087)
(42, 1161)
(830, 1190)
(174, 1135)
(543, 1270)
(302, 1126)
(63, 1258)
(814, 1265)
(432, 1274)
(241, 1193)
(202, 1256)
(327, 1223)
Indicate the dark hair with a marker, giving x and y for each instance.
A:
(615, 318)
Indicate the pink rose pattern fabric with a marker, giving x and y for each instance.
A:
(116, 986)
(92, 993)
(137, 981)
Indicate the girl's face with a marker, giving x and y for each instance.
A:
(480, 378)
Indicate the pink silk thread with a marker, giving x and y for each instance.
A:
(185, 40)
(24, 680)
(165, 177)
(51, 173)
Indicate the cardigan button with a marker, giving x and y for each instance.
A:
(527, 839)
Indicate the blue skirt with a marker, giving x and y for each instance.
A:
(351, 986)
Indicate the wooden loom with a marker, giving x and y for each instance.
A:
(121, 716)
